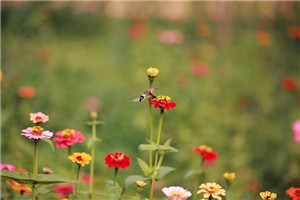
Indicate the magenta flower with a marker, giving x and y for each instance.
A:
(7, 167)
(87, 178)
(68, 137)
(296, 130)
(38, 117)
(63, 189)
(176, 193)
(36, 132)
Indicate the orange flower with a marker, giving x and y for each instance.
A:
(294, 32)
(264, 38)
(80, 158)
(26, 92)
(23, 188)
(211, 189)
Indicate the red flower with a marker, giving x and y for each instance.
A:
(294, 32)
(87, 178)
(207, 153)
(289, 83)
(63, 189)
(163, 102)
(118, 160)
(294, 193)
(137, 31)
(26, 92)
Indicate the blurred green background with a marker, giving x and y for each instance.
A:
(221, 62)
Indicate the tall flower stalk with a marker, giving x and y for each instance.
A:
(35, 166)
(92, 169)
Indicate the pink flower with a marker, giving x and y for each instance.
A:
(170, 36)
(36, 132)
(86, 178)
(296, 130)
(7, 167)
(38, 117)
(63, 189)
(68, 137)
(200, 69)
(176, 193)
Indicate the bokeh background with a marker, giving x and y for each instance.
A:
(231, 67)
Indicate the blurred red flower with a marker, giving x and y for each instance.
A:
(294, 32)
(170, 36)
(200, 69)
(137, 31)
(207, 153)
(163, 102)
(264, 38)
(289, 83)
(203, 30)
(294, 193)
(7, 167)
(63, 189)
(22, 188)
(85, 177)
(118, 160)
(26, 92)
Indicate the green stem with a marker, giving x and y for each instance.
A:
(160, 161)
(72, 168)
(77, 176)
(151, 133)
(5, 189)
(35, 166)
(195, 188)
(115, 176)
(91, 184)
(156, 155)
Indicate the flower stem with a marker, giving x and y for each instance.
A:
(91, 184)
(115, 176)
(35, 166)
(77, 176)
(151, 128)
(5, 189)
(72, 168)
(156, 155)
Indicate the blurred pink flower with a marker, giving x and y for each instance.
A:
(289, 83)
(92, 104)
(170, 36)
(27, 92)
(85, 177)
(137, 31)
(200, 69)
(296, 130)
(63, 189)
(36, 132)
(38, 117)
(176, 193)
(7, 167)
(68, 137)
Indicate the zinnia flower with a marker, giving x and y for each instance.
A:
(268, 195)
(80, 158)
(68, 137)
(22, 188)
(26, 92)
(7, 167)
(289, 83)
(38, 117)
(63, 189)
(36, 132)
(207, 153)
(118, 160)
(211, 189)
(296, 130)
(229, 177)
(87, 178)
(152, 72)
(163, 102)
(176, 193)
(294, 193)
(294, 32)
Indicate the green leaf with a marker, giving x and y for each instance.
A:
(92, 141)
(132, 179)
(113, 192)
(162, 171)
(193, 173)
(94, 193)
(97, 122)
(147, 147)
(27, 178)
(47, 140)
(168, 142)
(144, 166)
(166, 148)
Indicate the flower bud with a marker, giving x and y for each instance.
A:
(229, 177)
(152, 73)
(94, 115)
(140, 185)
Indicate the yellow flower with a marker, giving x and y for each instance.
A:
(211, 189)
(229, 177)
(80, 158)
(140, 183)
(152, 72)
(268, 195)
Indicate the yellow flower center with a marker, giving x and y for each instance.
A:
(68, 133)
(176, 193)
(163, 98)
(37, 130)
(206, 148)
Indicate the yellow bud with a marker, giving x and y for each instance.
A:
(229, 177)
(94, 115)
(152, 72)
(140, 183)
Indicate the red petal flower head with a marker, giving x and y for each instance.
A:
(294, 193)
(118, 160)
(289, 83)
(163, 102)
(207, 153)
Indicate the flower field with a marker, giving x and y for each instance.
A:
(150, 100)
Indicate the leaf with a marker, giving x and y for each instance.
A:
(162, 171)
(132, 179)
(147, 147)
(96, 122)
(168, 142)
(144, 166)
(52, 179)
(112, 192)
(166, 148)
(20, 177)
(94, 193)
(193, 173)
(92, 141)
(47, 140)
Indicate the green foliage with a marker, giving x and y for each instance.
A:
(133, 178)
(144, 167)
(113, 192)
